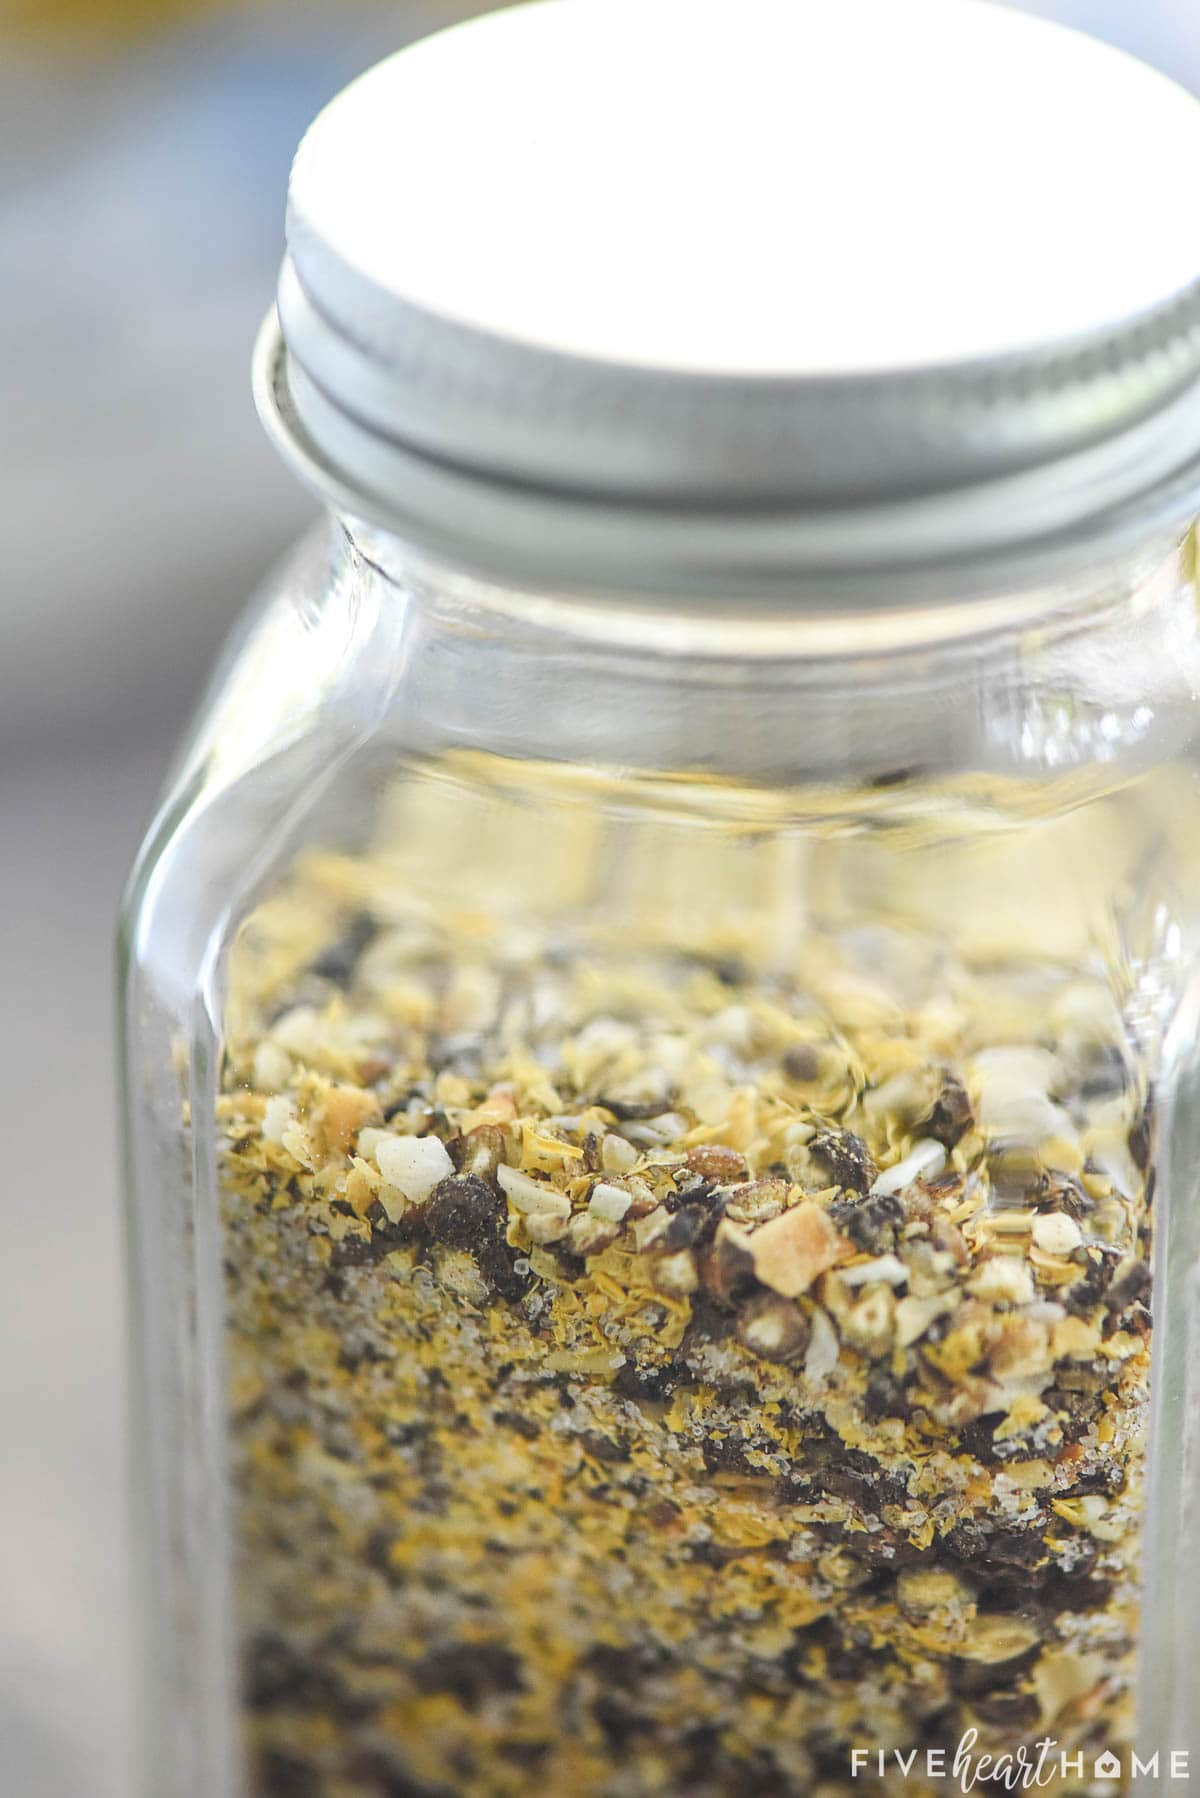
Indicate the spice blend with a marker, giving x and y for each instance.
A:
(664, 1372)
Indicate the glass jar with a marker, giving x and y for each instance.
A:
(660, 1006)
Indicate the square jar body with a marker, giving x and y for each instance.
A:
(661, 1153)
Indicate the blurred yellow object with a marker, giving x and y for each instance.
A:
(95, 24)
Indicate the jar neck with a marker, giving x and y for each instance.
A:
(1101, 673)
(683, 625)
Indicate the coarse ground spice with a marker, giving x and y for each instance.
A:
(656, 1372)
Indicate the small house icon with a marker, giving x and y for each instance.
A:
(1107, 1767)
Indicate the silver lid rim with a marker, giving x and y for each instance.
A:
(1003, 532)
(532, 414)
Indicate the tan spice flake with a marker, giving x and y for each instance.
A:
(793, 1250)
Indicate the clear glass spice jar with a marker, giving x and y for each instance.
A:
(660, 1007)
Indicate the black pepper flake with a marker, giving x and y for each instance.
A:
(627, 1666)
(338, 962)
(378, 1553)
(1107, 1075)
(399, 1107)
(870, 1223)
(726, 1454)
(472, 1671)
(514, 1420)
(465, 1211)
(647, 1384)
(462, 1210)
(405, 1435)
(633, 1111)
(1130, 1289)
(728, 1273)
(883, 1551)
(846, 1157)
(377, 1774)
(996, 1553)
(829, 1756)
(951, 1116)
(526, 1755)
(1080, 1590)
(479, 1152)
(1075, 1411)
(1014, 1711)
(358, 1349)
(280, 1775)
(620, 1723)
(971, 1679)
(710, 1321)
(611, 1449)
(571, 1266)
(978, 1439)
(853, 1474)
(274, 1674)
(357, 1251)
(702, 1745)
(1109, 1480)
(885, 1396)
(1084, 1295)
(730, 970)
(387, 1234)
(711, 1554)
(801, 1063)
(687, 1227)
(496, 1262)
(1060, 1192)
(1141, 1137)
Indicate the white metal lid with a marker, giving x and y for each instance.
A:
(730, 293)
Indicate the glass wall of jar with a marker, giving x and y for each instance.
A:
(656, 1273)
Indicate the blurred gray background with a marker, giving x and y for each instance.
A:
(144, 147)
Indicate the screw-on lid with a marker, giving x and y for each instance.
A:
(728, 294)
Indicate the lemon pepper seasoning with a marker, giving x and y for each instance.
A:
(648, 1377)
